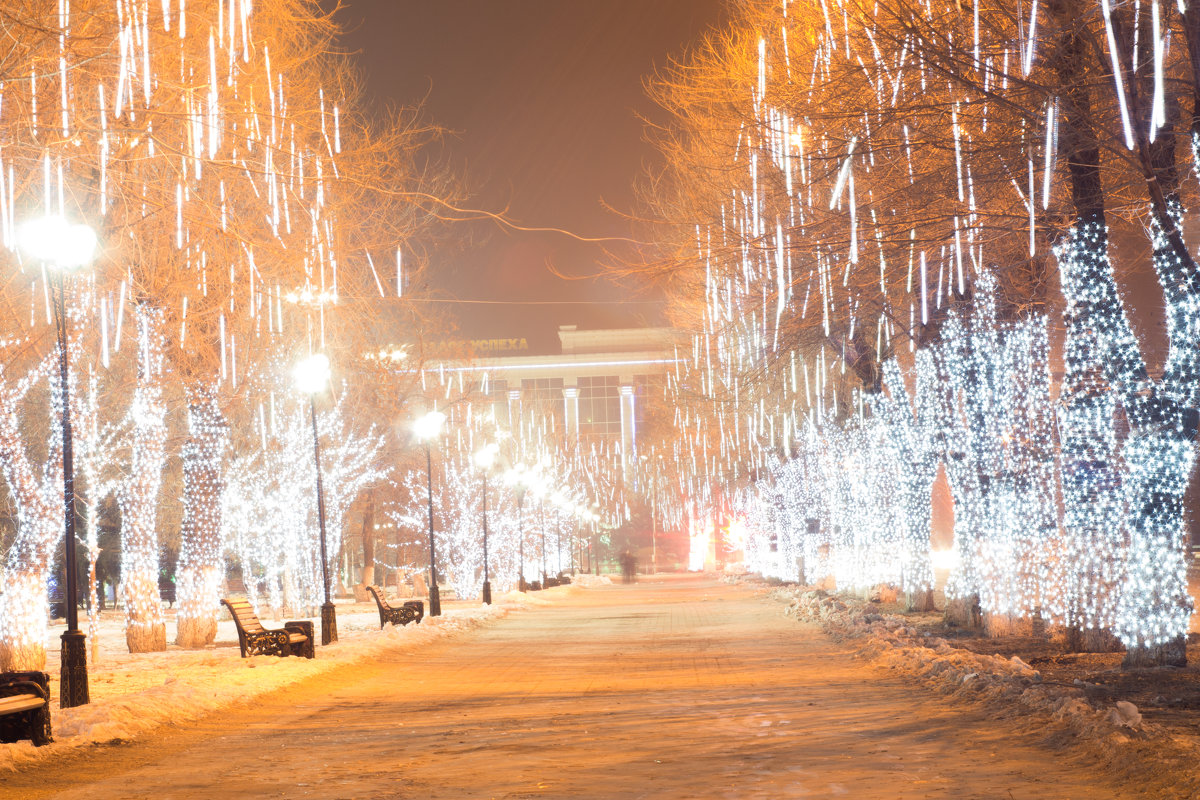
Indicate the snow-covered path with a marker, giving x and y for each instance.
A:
(677, 687)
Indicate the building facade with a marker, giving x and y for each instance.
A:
(596, 389)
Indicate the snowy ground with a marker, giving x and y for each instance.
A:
(674, 687)
(1143, 723)
(133, 694)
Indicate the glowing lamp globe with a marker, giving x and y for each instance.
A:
(312, 373)
(486, 457)
(429, 426)
(55, 241)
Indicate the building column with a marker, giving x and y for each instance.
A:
(628, 425)
(514, 410)
(571, 410)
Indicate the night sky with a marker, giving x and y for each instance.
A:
(543, 98)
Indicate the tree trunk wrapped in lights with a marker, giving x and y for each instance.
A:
(268, 503)
(962, 587)
(1154, 606)
(917, 462)
(95, 457)
(1088, 567)
(37, 495)
(996, 424)
(145, 627)
(201, 563)
(1026, 521)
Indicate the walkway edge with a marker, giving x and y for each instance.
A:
(195, 694)
(1143, 753)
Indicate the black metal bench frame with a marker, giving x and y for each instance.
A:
(32, 723)
(270, 641)
(561, 579)
(409, 611)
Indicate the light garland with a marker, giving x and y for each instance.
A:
(201, 566)
(37, 495)
(1154, 607)
(268, 507)
(1089, 562)
(137, 497)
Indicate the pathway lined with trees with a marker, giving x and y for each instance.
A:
(676, 686)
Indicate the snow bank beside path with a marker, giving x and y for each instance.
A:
(1134, 749)
(134, 694)
(588, 581)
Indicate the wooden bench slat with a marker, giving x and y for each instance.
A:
(293, 639)
(20, 702)
(24, 707)
(408, 611)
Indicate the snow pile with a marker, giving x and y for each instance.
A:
(1118, 734)
(1126, 714)
(588, 581)
(133, 694)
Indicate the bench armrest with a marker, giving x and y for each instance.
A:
(23, 687)
(25, 683)
(303, 626)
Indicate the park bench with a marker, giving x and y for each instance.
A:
(295, 638)
(410, 611)
(25, 707)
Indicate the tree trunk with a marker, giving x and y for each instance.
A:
(996, 626)
(94, 606)
(201, 567)
(1089, 561)
(911, 435)
(1091, 640)
(23, 624)
(145, 628)
(38, 496)
(1154, 607)
(963, 612)
(919, 601)
(368, 545)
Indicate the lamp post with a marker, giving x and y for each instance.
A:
(654, 511)
(426, 428)
(559, 500)
(595, 538)
(521, 539)
(312, 376)
(542, 526)
(63, 247)
(485, 458)
(581, 513)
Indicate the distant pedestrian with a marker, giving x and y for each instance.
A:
(628, 567)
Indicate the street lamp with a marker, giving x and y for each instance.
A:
(312, 376)
(559, 500)
(595, 537)
(64, 247)
(485, 458)
(425, 429)
(581, 514)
